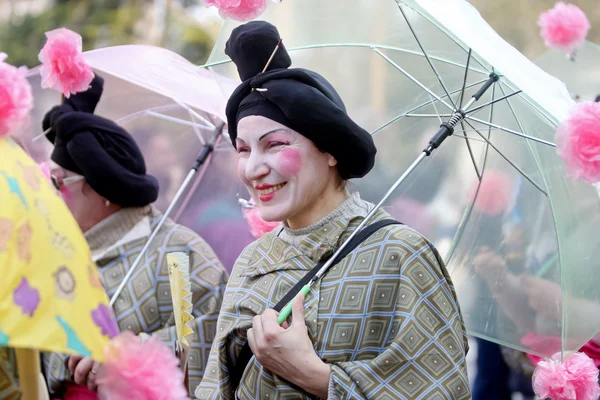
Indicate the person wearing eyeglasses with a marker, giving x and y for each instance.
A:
(100, 172)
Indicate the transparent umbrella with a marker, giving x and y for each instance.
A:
(495, 185)
(175, 111)
(581, 76)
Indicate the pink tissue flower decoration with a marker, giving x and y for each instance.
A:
(575, 379)
(63, 66)
(16, 100)
(140, 371)
(258, 226)
(564, 27)
(494, 194)
(241, 10)
(578, 142)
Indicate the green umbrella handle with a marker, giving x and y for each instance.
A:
(287, 310)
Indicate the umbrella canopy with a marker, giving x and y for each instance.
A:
(581, 76)
(171, 107)
(51, 297)
(496, 185)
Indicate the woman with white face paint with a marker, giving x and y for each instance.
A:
(381, 323)
(100, 172)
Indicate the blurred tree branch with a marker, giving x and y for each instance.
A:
(104, 23)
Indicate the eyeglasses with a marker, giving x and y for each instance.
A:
(60, 182)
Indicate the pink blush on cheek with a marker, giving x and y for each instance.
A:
(289, 161)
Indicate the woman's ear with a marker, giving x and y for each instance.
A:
(332, 161)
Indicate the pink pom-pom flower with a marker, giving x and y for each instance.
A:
(258, 226)
(495, 193)
(564, 27)
(16, 100)
(241, 10)
(575, 379)
(63, 66)
(578, 142)
(140, 371)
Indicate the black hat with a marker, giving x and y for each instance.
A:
(250, 46)
(101, 151)
(83, 101)
(297, 98)
(88, 100)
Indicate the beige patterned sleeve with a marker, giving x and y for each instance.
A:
(56, 371)
(9, 388)
(425, 359)
(215, 384)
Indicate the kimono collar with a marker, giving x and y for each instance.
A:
(126, 225)
(271, 253)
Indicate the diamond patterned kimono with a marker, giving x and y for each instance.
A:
(386, 318)
(145, 304)
(9, 389)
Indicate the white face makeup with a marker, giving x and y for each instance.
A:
(84, 203)
(285, 173)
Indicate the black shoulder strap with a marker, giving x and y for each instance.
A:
(235, 373)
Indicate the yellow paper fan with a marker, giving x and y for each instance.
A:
(181, 294)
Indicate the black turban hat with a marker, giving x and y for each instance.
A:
(298, 98)
(101, 151)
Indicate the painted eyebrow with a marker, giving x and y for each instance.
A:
(266, 134)
(273, 131)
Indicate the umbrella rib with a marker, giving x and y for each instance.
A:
(409, 76)
(504, 97)
(359, 45)
(462, 92)
(385, 125)
(536, 107)
(153, 110)
(428, 115)
(178, 120)
(514, 113)
(463, 222)
(462, 123)
(521, 134)
(435, 71)
(192, 115)
(512, 109)
(489, 133)
(192, 112)
(131, 116)
(434, 23)
(473, 130)
(437, 112)
(466, 137)
(508, 160)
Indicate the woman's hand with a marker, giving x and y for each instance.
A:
(288, 352)
(84, 371)
(491, 267)
(545, 297)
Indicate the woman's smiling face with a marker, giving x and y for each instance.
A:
(285, 173)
